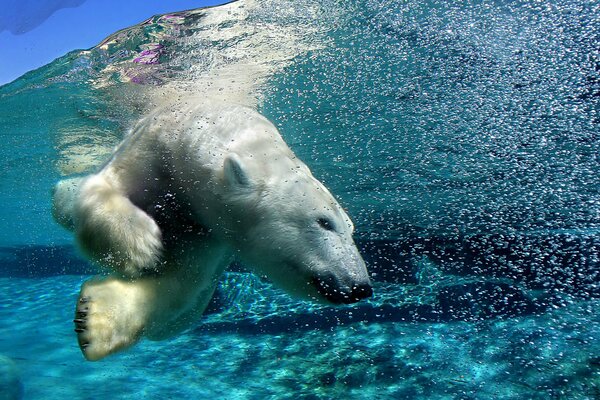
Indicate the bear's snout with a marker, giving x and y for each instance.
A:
(334, 292)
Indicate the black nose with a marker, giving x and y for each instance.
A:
(328, 288)
(361, 292)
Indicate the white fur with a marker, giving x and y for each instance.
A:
(191, 187)
(113, 231)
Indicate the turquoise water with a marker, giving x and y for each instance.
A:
(462, 137)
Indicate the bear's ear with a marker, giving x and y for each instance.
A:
(234, 171)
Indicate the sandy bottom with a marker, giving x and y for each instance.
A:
(257, 343)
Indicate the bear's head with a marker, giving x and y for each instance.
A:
(291, 230)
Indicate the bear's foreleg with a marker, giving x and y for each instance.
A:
(113, 313)
(110, 315)
(113, 231)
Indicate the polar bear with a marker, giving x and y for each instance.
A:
(192, 188)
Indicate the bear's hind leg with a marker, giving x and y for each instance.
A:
(113, 231)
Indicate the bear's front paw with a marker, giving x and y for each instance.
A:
(140, 250)
(104, 321)
(126, 242)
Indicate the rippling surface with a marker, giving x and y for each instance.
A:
(463, 138)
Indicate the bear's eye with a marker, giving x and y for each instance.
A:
(326, 224)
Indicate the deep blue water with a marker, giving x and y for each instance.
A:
(462, 137)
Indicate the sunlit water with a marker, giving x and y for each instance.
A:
(462, 138)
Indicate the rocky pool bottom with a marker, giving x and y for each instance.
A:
(257, 343)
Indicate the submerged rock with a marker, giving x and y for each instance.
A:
(11, 387)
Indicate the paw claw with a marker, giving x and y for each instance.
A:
(103, 324)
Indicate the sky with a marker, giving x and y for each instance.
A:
(35, 32)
